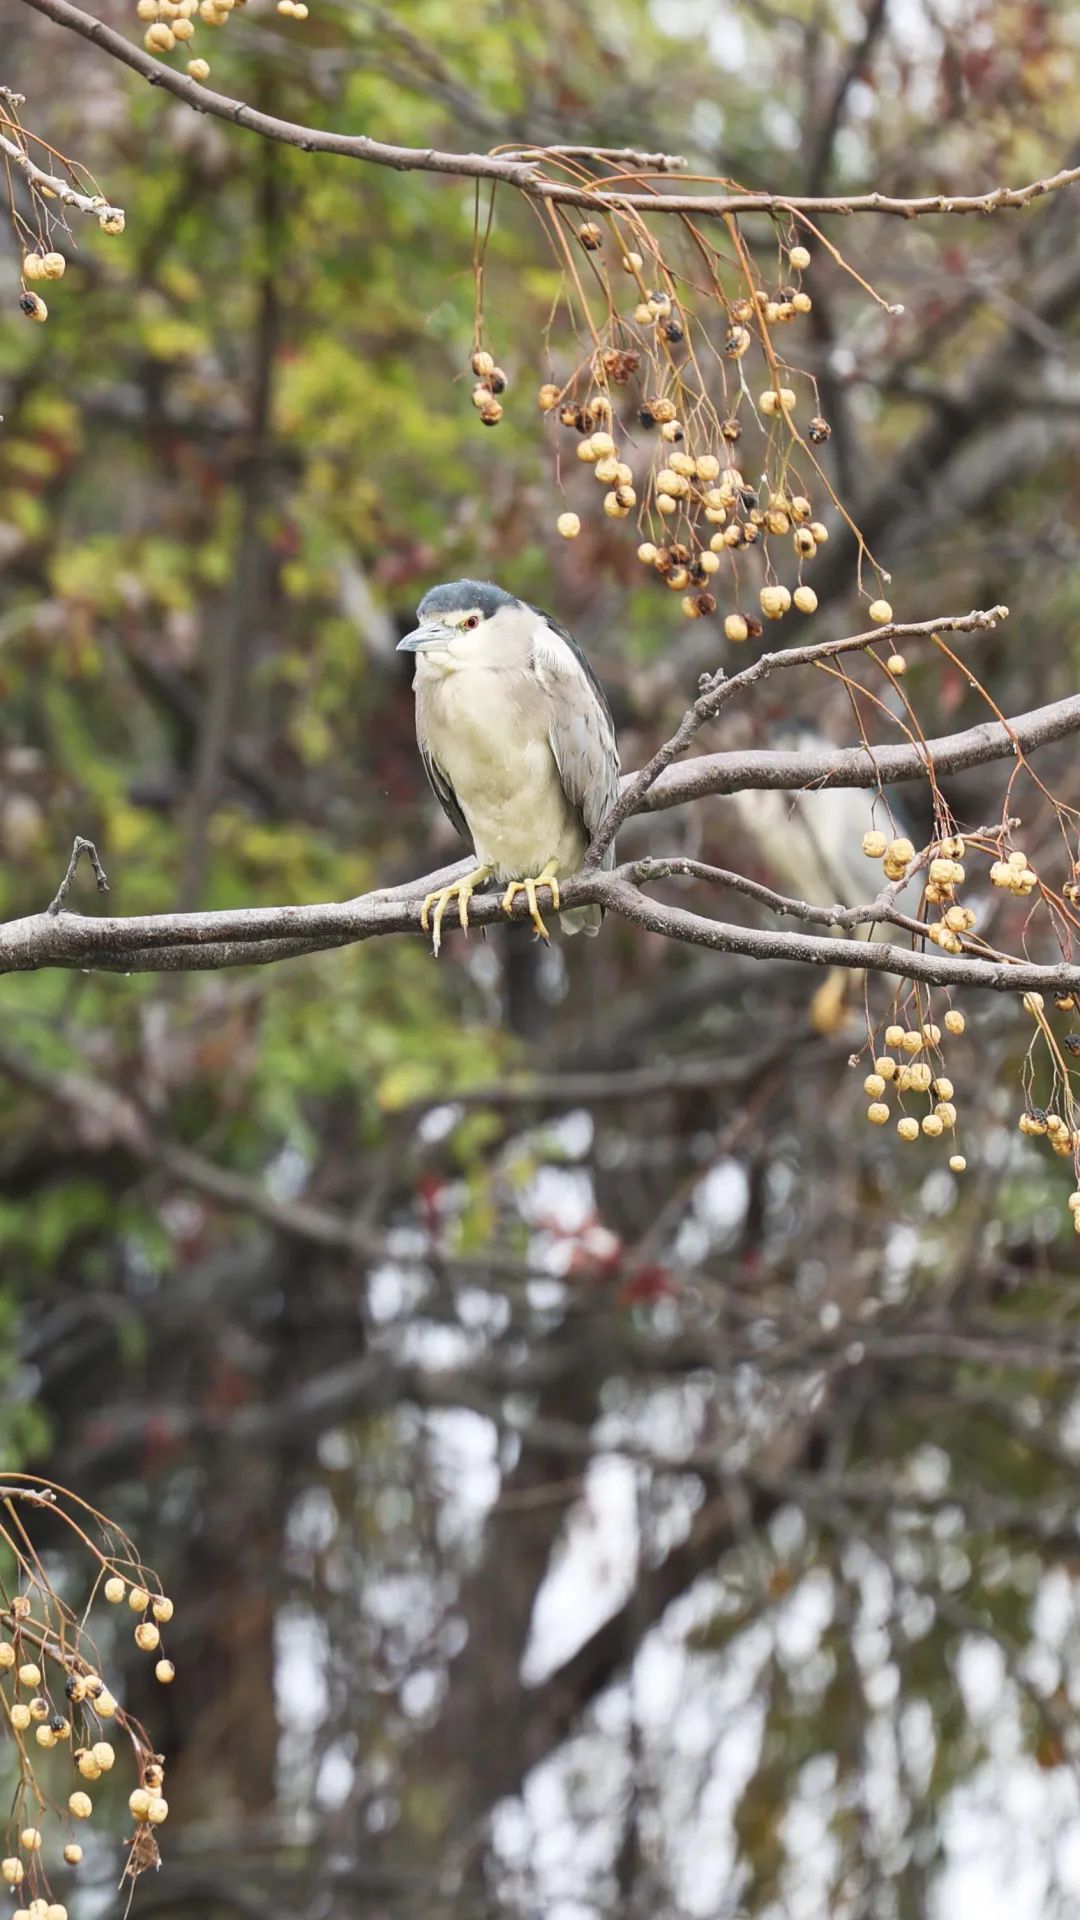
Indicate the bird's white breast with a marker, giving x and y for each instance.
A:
(487, 731)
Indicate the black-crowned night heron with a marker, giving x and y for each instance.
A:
(517, 741)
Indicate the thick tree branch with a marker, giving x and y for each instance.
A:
(525, 175)
(255, 936)
(767, 771)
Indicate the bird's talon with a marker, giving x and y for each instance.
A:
(463, 891)
(528, 888)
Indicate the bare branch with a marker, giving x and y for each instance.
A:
(255, 936)
(525, 175)
(720, 690)
(766, 771)
(56, 189)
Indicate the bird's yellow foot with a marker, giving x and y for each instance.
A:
(528, 888)
(462, 890)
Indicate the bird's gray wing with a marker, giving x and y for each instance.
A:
(444, 793)
(581, 732)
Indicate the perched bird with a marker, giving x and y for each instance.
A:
(517, 741)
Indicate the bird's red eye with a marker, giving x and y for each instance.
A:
(472, 621)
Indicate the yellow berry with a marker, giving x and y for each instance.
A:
(138, 1599)
(81, 1805)
(114, 1589)
(805, 599)
(1033, 1003)
(13, 1871)
(157, 1811)
(908, 1129)
(139, 1803)
(29, 1675)
(72, 1853)
(932, 1125)
(104, 1754)
(880, 611)
(877, 1113)
(735, 628)
(874, 844)
(885, 1067)
(199, 70)
(774, 602)
(165, 1672)
(772, 402)
(954, 1021)
(45, 1736)
(30, 1838)
(105, 1704)
(957, 1163)
(874, 1085)
(893, 1036)
(896, 664)
(159, 38)
(799, 258)
(568, 525)
(20, 1716)
(147, 1636)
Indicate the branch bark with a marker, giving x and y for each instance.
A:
(256, 936)
(525, 175)
(767, 771)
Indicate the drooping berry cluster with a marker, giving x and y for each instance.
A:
(951, 926)
(701, 500)
(55, 1701)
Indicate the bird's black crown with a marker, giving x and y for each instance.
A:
(464, 596)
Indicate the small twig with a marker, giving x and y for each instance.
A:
(80, 847)
(56, 189)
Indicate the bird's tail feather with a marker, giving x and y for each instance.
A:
(583, 920)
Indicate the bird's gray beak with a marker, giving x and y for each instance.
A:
(423, 637)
